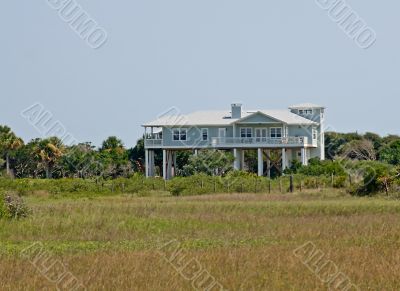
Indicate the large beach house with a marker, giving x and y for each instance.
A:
(279, 136)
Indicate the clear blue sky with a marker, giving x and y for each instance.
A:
(196, 55)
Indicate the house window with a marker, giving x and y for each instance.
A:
(314, 133)
(175, 134)
(276, 132)
(179, 134)
(204, 134)
(183, 134)
(246, 132)
(305, 112)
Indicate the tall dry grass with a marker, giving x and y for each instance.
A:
(246, 241)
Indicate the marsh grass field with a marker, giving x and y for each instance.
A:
(245, 241)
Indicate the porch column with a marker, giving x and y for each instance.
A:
(269, 163)
(260, 162)
(146, 163)
(236, 163)
(150, 163)
(304, 159)
(173, 173)
(289, 157)
(169, 164)
(283, 160)
(164, 164)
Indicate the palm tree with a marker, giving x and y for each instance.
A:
(50, 150)
(9, 143)
(114, 157)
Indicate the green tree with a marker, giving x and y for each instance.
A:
(391, 153)
(80, 160)
(49, 151)
(27, 161)
(9, 143)
(375, 139)
(210, 162)
(114, 158)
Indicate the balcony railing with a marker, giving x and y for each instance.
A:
(259, 141)
(153, 142)
(230, 142)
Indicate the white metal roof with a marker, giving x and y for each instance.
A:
(210, 118)
(305, 106)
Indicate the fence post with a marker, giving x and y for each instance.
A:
(280, 185)
(215, 185)
(255, 187)
(269, 186)
(291, 184)
(333, 180)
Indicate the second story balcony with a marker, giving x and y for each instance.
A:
(260, 142)
(234, 142)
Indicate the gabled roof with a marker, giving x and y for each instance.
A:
(258, 112)
(306, 106)
(223, 118)
(288, 117)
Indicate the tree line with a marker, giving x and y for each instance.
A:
(50, 158)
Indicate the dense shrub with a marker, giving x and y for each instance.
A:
(372, 173)
(317, 167)
(12, 207)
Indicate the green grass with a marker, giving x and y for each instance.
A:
(222, 230)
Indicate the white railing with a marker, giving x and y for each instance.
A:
(153, 142)
(234, 141)
(226, 141)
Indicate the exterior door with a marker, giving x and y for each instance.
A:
(261, 134)
(222, 134)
